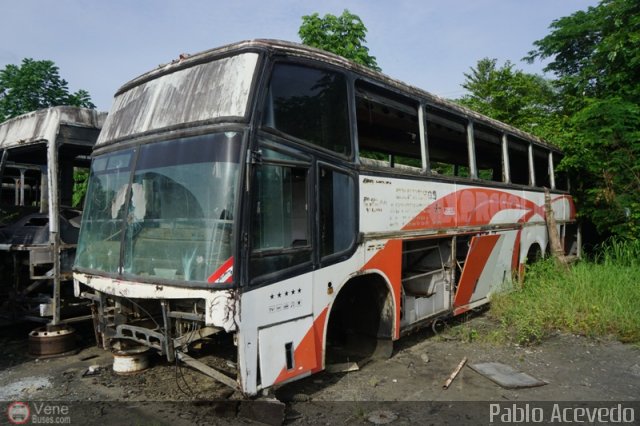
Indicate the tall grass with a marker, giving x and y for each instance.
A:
(600, 297)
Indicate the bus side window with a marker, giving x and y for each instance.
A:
(488, 147)
(388, 129)
(562, 180)
(281, 235)
(541, 167)
(309, 104)
(518, 161)
(447, 142)
(337, 211)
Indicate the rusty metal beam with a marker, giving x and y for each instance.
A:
(203, 368)
(195, 335)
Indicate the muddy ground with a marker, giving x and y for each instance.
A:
(404, 389)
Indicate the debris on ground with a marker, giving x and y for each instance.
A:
(382, 417)
(506, 376)
(93, 370)
(342, 367)
(455, 373)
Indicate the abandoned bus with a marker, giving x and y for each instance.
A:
(38, 225)
(303, 204)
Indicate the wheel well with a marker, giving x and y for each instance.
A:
(534, 254)
(361, 315)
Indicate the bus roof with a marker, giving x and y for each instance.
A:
(290, 49)
(43, 126)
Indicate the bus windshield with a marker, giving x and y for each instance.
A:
(163, 210)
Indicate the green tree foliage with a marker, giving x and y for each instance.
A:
(591, 108)
(80, 184)
(595, 55)
(344, 35)
(526, 101)
(34, 85)
(604, 156)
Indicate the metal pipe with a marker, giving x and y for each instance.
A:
(214, 374)
(16, 191)
(473, 168)
(22, 187)
(454, 374)
(3, 163)
(44, 190)
(424, 153)
(168, 341)
(551, 171)
(532, 173)
(54, 223)
(505, 159)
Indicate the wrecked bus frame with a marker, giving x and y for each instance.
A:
(39, 227)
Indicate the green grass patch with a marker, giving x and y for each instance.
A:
(596, 298)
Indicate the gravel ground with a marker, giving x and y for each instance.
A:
(403, 389)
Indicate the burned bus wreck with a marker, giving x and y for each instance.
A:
(39, 227)
(245, 192)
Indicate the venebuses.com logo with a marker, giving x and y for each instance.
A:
(20, 413)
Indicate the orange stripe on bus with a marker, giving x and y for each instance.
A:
(480, 250)
(389, 261)
(222, 270)
(308, 354)
(470, 207)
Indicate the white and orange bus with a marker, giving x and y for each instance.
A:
(306, 205)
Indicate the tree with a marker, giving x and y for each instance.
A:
(34, 85)
(344, 35)
(594, 53)
(526, 101)
(596, 59)
(604, 154)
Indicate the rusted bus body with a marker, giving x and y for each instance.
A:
(303, 204)
(40, 228)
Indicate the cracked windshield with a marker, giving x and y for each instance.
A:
(174, 220)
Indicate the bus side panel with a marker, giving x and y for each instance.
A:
(283, 325)
(395, 205)
(265, 307)
(389, 205)
(385, 257)
(285, 352)
(477, 263)
(487, 269)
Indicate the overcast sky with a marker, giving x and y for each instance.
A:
(100, 45)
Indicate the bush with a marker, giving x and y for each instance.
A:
(594, 298)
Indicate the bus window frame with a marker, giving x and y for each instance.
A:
(523, 146)
(344, 254)
(542, 153)
(383, 92)
(485, 133)
(457, 119)
(262, 91)
(267, 140)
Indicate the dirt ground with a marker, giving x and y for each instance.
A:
(403, 389)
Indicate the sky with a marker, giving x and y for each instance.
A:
(100, 45)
